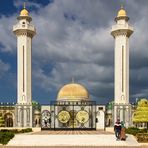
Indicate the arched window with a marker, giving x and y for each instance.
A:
(8, 117)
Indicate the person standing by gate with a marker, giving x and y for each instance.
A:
(117, 129)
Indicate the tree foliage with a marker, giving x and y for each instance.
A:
(35, 103)
(2, 121)
(110, 105)
(141, 113)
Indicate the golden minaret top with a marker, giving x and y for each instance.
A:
(24, 11)
(122, 12)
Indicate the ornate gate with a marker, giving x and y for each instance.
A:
(69, 115)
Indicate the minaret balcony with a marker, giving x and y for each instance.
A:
(24, 27)
(122, 27)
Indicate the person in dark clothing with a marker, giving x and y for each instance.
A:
(117, 129)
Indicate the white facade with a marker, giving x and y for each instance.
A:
(121, 32)
(24, 32)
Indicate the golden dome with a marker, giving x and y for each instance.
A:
(73, 92)
(121, 12)
(24, 12)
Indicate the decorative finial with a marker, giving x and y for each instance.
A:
(24, 5)
(73, 80)
(24, 11)
(122, 5)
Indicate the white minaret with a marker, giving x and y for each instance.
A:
(121, 32)
(24, 32)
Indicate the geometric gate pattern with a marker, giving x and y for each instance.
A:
(69, 115)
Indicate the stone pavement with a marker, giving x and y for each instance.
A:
(64, 139)
(71, 132)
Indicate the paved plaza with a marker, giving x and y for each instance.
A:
(71, 132)
(72, 139)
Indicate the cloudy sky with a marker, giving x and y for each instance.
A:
(73, 40)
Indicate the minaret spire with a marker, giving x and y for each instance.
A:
(24, 5)
(73, 80)
(121, 5)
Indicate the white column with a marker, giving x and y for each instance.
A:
(121, 32)
(24, 90)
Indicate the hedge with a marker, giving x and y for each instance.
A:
(17, 131)
(5, 137)
(134, 130)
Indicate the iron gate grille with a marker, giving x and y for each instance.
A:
(67, 115)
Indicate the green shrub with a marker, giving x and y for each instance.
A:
(17, 131)
(132, 130)
(5, 136)
(145, 130)
(5, 130)
(26, 130)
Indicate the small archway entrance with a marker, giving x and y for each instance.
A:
(8, 117)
